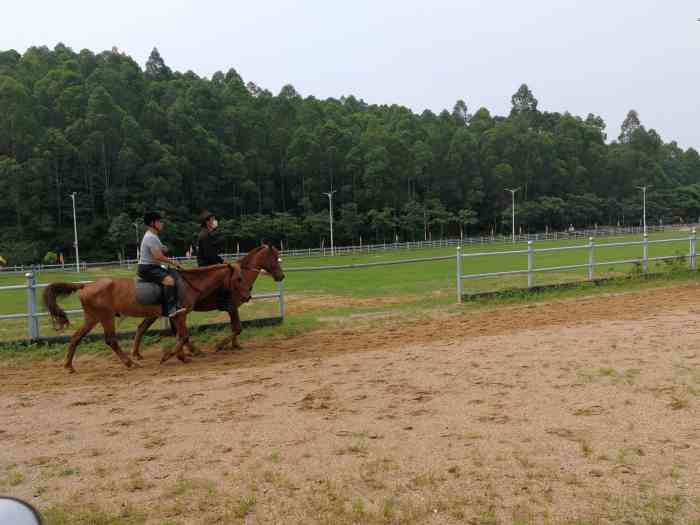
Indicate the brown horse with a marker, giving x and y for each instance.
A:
(104, 299)
(265, 258)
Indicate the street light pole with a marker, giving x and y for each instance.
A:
(136, 227)
(75, 234)
(644, 206)
(512, 192)
(329, 194)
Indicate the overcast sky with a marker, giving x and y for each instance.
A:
(584, 56)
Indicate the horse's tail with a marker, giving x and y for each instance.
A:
(51, 293)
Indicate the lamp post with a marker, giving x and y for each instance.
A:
(75, 234)
(136, 228)
(512, 192)
(644, 206)
(329, 194)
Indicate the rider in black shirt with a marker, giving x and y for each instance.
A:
(208, 252)
(207, 243)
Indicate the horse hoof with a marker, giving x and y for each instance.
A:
(137, 356)
(70, 369)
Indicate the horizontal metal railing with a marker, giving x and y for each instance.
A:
(377, 247)
(591, 247)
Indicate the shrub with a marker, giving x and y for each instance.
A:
(50, 258)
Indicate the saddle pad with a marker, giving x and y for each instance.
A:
(148, 293)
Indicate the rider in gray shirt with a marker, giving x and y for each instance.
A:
(150, 269)
(149, 244)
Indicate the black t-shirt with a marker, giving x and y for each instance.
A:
(207, 249)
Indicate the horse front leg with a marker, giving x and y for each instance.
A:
(192, 349)
(140, 332)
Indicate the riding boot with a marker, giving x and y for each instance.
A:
(169, 299)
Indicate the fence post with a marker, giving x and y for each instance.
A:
(459, 274)
(33, 324)
(693, 247)
(591, 259)
(645, 254)
(530, 257)
(280, 288)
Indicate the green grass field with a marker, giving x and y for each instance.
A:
(428, 283)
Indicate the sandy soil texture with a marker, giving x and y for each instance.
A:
(580, 411)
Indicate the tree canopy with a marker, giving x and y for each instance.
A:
(128, 139)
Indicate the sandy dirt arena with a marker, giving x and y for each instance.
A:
(579, 411)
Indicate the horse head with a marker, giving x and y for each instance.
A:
(269, 260)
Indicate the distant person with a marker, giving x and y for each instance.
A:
(207, 242)
(150, 269)
(208, 246)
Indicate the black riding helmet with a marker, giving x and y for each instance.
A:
(150, 217)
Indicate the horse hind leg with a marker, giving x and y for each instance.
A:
(75, 339)
(111, 340)
(140, 332)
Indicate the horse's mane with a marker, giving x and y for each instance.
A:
(252, 253)
(203, 269)
(196, 273)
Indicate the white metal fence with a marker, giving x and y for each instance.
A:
(591, 247)
(33, 314)
(607, 231)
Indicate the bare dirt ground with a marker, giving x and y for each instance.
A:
(579, 411)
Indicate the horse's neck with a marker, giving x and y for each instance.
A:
(207, 282)
(252, 260)
(254, 276)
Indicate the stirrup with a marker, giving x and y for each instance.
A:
(176, 312)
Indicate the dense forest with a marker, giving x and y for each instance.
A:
(128, 139)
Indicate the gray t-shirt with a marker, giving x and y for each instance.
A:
(149, 242)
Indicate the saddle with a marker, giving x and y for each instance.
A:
(148, 293)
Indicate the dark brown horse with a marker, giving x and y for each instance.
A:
(263, 258)
(104, 299)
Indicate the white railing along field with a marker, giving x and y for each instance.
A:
(608, 231)
(33, 314)
(590, 265)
